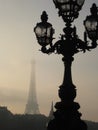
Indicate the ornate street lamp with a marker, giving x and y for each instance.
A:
(91, 26)
(44, 32)
(67, 116)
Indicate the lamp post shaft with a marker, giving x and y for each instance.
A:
(67, 71)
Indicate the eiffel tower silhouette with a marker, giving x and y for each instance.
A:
(32, 105)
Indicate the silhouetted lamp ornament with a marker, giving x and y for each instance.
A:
(68, 9)
(91, 26)
(67, 116)
(44, 32)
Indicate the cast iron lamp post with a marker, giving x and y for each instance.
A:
(67, 116)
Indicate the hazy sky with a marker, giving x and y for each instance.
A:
(18, 46)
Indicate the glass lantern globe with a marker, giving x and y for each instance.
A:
(69, 9)
(91, 24)
(44, 31)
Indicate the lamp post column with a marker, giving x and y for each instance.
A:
(67, 70)
(67, 91)
(66, 116)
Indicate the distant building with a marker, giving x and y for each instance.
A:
(51, 116)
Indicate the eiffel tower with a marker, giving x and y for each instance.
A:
(32, 105)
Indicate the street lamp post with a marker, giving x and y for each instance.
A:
(67, 116)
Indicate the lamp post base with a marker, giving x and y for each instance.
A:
(67, 117)
(66, 125)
